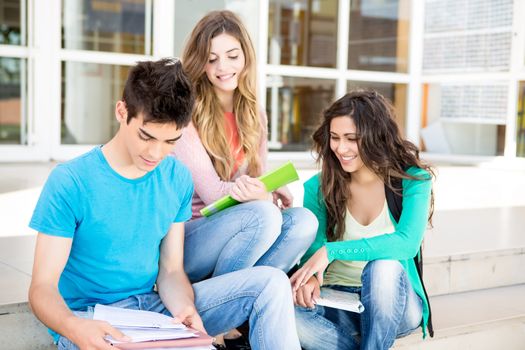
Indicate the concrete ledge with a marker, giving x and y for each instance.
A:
(474, 271)
(20, 330)
(481, 320)
(502, 334)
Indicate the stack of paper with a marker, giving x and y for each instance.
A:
(150, 330)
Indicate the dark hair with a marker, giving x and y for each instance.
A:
(381, 148)
(161, 91)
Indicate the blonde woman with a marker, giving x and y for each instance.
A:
(225, 149)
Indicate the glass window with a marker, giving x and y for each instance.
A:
(114, 26)
(12, 101)
(378, 35)
(189, 12)
(520, 126)
(396, 93)
(89, 94)
(11, 27)
(464, 119)
(294, 108)
(464, 36)
(302, 32)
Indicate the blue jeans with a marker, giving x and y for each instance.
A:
(250, 234)
(392, 310)
(262, 295)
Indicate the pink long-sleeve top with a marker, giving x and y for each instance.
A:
(208, 185)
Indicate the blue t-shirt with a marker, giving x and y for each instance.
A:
(116, 224)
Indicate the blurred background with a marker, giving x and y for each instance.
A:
(454, 70)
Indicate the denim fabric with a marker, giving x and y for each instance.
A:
(392, 310)
(250, 234)
(260, 294)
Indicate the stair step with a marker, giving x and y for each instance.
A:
(21, 330)
(473, 271)
(472, 249)
(503, 334)
(485, 319)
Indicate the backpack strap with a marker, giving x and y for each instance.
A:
(394, 201)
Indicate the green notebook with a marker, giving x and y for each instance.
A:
(272, 180)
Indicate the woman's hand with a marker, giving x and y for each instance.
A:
(314, 266)
(285, 197)
(307, 295)
(248, 189)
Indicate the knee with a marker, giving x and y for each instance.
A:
(383, 282)
(264, 213)
(382, 272)
(382, 276)
(304, 224)
(275, 281)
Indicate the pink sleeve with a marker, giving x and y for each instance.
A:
(190, 151)
(263, 147)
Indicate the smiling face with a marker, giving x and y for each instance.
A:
(344, 143)
(147, 144)
(225, 64)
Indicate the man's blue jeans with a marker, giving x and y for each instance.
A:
(250, 234)
(392, 310)
(261, 295)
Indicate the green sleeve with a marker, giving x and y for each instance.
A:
(314, 202)
(402, 244)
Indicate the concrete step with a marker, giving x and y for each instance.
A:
(473, 249)
(481, 320)
(21, 330)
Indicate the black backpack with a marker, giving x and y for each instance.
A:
(395, 205)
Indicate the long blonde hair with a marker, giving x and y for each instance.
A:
(208, 117)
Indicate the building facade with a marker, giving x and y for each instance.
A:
(454, 70)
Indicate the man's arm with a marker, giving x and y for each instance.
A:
(174, 288)
(51, 254)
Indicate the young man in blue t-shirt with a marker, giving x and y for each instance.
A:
(111, 226)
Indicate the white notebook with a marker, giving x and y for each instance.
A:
(340, 300)
(120, 317)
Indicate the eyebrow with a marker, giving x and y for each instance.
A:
(347, 134)
(153, 137)
(229, 51)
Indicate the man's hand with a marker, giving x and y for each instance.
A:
(89, 334)
(307, 295)
(248, 189)
(314, 266)
(190, 318)
(285, 197)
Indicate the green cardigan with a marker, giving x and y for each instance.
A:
(402, 245)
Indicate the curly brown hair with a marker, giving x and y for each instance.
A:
(381, 148)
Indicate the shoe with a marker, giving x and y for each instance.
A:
(237, 344)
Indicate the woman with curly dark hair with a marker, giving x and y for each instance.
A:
(374, 200)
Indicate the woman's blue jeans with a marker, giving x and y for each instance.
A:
(392, 310)
(250, 234)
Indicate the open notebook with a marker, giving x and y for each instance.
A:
(340, 300)
(150, 330)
